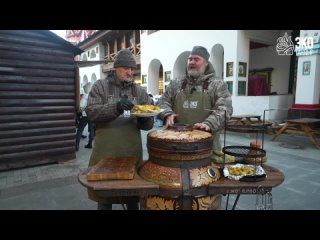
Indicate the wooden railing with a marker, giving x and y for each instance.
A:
(136, 51)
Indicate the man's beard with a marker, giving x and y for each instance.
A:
(197, 73)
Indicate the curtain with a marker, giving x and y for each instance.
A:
(257, 86)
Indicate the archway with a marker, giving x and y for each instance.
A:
(217, 59)
(84, 57)
(180, 65)
(155, 77)
(93, 78)
(93, 54)
(84, 81)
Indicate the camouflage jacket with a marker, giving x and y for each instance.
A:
(216, 88)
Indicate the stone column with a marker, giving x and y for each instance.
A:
(307, 101)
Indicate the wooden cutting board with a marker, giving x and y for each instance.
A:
(113, 168)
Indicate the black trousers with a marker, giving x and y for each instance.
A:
(83, 122)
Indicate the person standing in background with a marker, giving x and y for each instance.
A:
(151, 96)
(83, 122)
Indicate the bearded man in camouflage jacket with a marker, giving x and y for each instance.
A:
(199, 98)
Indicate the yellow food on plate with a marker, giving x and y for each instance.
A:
(146, 109)
(239, 171)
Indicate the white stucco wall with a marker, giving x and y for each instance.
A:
(308, 85)
(167, 45)
(92, 72)
(311, 33)
(257, 105)
(316, 93)
(243, 51)
(242, 55)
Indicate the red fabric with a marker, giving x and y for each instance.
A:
(257, 86)
(306, 106)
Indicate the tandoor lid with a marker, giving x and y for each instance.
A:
(186, 135)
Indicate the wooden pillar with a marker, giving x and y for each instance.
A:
(134, 43)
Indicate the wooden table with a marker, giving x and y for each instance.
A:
(246, 119)
(304, 124)
(141, 187)
(227, 186)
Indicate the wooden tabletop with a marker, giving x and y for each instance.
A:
(247, 119)
(303, 120)
(246, 116)
(141, 187)
(224, 186)
(135, 187)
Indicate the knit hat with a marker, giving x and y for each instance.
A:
(200, 51)
(124, 58)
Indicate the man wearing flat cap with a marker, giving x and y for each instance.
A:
(188, 98)
(117, 132)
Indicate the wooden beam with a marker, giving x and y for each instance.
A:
(134, 43)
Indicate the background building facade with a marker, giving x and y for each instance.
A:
(237, 57)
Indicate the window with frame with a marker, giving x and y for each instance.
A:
(144, 79)
(230, 86)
